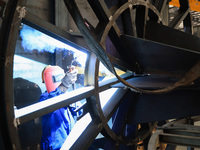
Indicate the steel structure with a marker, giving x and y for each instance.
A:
(161, 83)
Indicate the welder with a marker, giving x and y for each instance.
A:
(57, 125)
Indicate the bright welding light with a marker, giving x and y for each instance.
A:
(35, 40)
(106, 95)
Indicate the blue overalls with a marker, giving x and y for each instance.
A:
(56, 125)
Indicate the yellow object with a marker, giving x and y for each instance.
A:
(43, 72)
(194, 4)
(80, 70)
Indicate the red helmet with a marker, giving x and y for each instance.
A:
(52, 76)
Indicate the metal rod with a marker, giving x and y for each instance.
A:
(41, 108)
(87, 135)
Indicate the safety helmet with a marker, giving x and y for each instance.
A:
(43, 73)
(52, 76)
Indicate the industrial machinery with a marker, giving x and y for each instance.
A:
(149, 47)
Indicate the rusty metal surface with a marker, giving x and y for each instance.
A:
(4, 30)
(8, 75)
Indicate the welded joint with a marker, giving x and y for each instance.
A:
(16, 122)
(22, 11)
(133, 90)
(111, 17)
(130, 6)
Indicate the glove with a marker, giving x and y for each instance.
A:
(69, 78)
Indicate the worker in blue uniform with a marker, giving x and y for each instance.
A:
(57, 125)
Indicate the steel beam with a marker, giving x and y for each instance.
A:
(148, 107)
(158, 57)
(41, 108)
(87, 134)
(174, 133)
(179, 140)
(171, 37)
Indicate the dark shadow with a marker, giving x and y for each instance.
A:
(27, 93)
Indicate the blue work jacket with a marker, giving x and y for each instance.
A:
(56, 125)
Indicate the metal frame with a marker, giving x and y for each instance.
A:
(41, 108)
(108, 27)
(99, 49)
(19, 116)
(95, 126)
(177, 132)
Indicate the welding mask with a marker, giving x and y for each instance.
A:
(52, 76)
